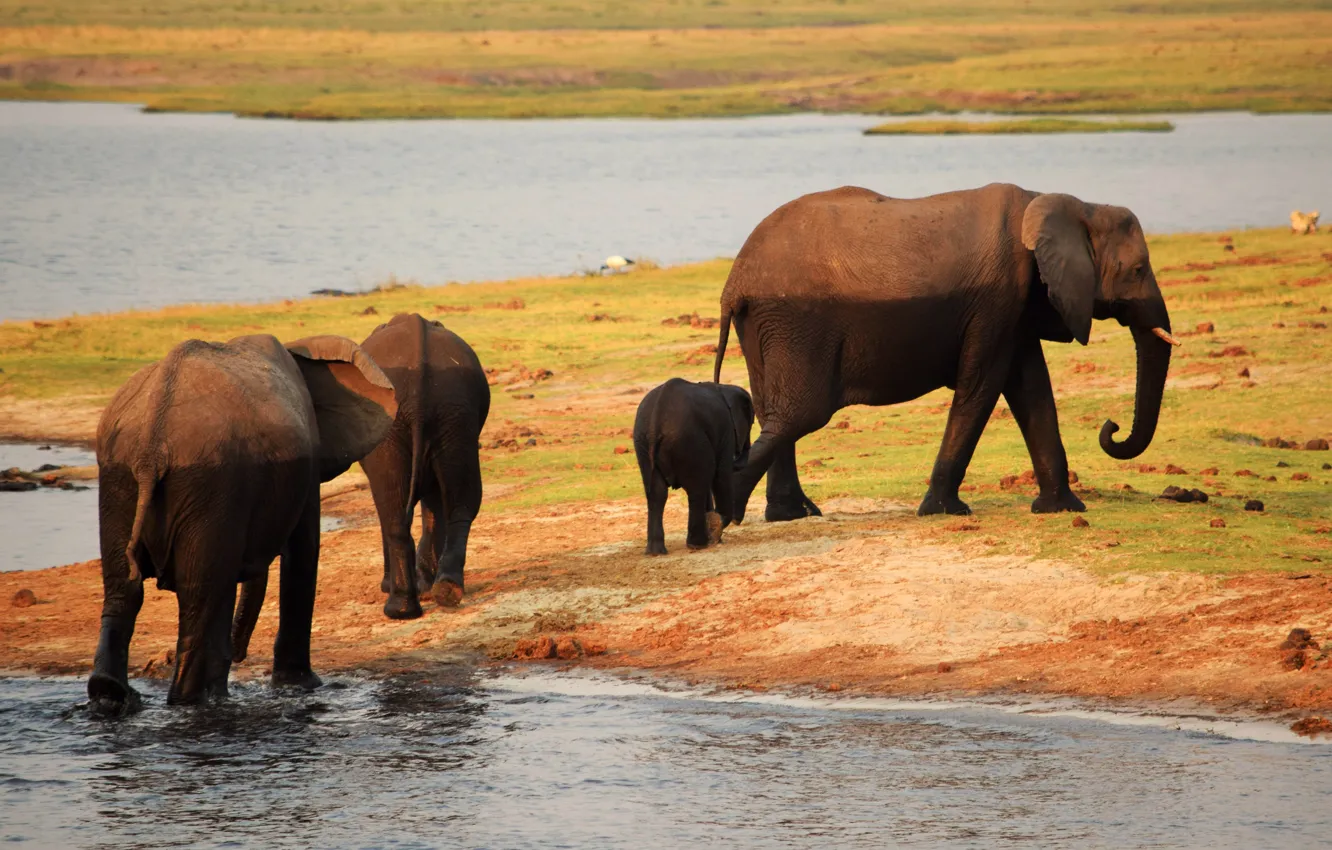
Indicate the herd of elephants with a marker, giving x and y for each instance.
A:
(210, 459)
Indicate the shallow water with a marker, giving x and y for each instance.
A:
(579, 760)
(104, 208)
(47, 527)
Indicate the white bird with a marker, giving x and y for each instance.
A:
(616, 264)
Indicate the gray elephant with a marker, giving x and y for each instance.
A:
(209, 464)
(429, 456)
(850, 297)
(691, 436)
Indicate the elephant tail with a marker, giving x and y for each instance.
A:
(723, 340)
(418, 417)
(147, 484)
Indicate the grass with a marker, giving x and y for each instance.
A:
(1212, 417)
(1020, 126)
(362, 59)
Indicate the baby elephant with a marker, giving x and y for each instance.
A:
(691, 436)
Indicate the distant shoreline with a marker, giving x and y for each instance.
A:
(946, 127)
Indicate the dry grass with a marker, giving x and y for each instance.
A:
(917, 60)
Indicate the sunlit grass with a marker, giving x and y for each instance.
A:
(1016, 127)
(999, 58)
(1211, 417)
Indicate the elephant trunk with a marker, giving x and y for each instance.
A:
(1153, 362)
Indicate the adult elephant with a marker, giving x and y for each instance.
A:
(209, 465)
(429, 456)
(850, 297)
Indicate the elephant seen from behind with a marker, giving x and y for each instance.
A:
(209, 465)
(692, 437)
(430, 456)
(850, 297)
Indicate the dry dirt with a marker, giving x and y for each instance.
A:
(864, 600)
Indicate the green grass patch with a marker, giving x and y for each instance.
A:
(1020, 126)
(1268, 301)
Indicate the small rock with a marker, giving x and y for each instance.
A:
(369, 311)
(1281, 464)
(1244, 373)
(834, 687)
(1218, 523)
(1300, 476)
(1245, 473)
(1294, 660)
(945, 667)
(1171, 469)
(621, 450)
(531, 441)
(1211, 470)
(1299, 639)
(1253, 505)
(1079, 522)
(1270, 478)
(568, 648)
(17, 486)
(531, 649)
(842, 425)
(1205, 328)
(24, 599)
(1327, 466)
(1198, 495)
(47, 467)
(1311, 727)
(1316, 445)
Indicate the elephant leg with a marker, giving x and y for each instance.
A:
(697, 535)
(203, 646)
(1031, 398)
(458, 475)
(761, 456)
(786, 499)
(657, 493)
(387, 468)
(247, 613)
(427, 565)
(980, 379)
(299, 575)
(109, 689)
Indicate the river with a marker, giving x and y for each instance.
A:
(105, 208)
(460, 759)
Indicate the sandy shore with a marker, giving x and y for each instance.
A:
(867, 599)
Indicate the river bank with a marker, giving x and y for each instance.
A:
(1153, 601)
(1010, 57)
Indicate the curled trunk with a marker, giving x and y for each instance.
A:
(1153, 362)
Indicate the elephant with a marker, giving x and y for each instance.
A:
(849, 297)
(691, 436)
(429, 456)
(209, 465)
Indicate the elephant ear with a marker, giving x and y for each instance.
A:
(353, 400)
(1054, 227)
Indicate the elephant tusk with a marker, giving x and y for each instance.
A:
(1165, 335)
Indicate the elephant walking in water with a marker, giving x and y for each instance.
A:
(849, 297)
(209, 465)
(429, 456)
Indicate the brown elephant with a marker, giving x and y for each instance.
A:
(850, 297)
(209, 464)
(429, 456)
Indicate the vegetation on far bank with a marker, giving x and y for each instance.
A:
(943, 127)
(668, 59)
(606, 343)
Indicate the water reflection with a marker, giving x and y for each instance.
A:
(454, 759)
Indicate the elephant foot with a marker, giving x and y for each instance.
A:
(655, 548)
(785, 512)
(1063, 500)
(110, 697)
(951, 505)
(386, 586)
(715, 526)
(400, 606)
(446, 594)
(304, 680)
